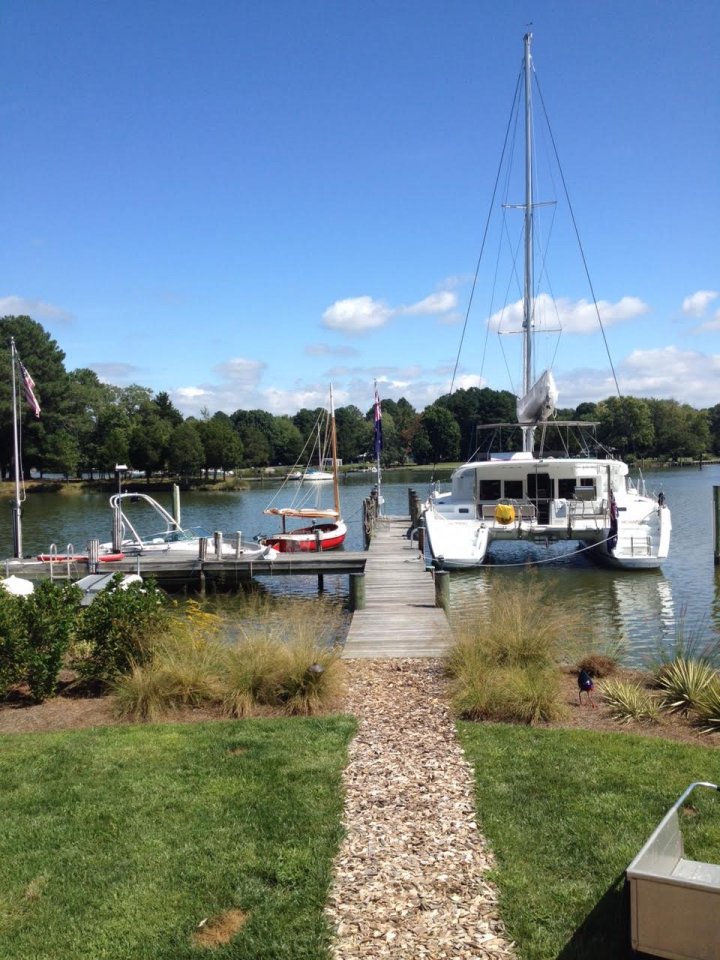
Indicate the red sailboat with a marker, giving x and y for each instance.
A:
(325, 530)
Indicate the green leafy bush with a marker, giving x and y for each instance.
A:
(117, 629)
(12, 642)
(47, 617)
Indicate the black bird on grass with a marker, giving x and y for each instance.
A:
(585, 685)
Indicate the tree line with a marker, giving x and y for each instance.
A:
(87, 427)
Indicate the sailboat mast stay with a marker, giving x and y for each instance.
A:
(528, 284)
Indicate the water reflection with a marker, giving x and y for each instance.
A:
(646, 607)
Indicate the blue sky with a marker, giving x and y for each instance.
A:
(238, 202)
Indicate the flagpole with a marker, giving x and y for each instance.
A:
(17, 503)
(377, 414)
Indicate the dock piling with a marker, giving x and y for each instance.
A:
(357, 591)
(442, 589)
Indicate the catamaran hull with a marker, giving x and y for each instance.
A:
(324, 536)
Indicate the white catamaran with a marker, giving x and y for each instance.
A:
(541, 493)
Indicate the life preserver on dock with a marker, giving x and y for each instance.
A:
(504, 513)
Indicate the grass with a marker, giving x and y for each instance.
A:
(257, 655)
(503, 661)
(565, 812)
(117, 843)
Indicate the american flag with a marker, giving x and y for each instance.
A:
(29, 385)
(378, 425)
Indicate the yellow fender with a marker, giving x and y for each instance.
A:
(505, 513)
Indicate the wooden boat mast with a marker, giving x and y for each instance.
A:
(333, 453)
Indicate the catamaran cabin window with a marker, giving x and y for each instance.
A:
(513, 489)
(489, 490)
(566, 488)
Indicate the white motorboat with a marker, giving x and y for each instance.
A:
(171, 539)
(563, 487)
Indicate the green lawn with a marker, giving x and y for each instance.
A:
(565, 813)
(116, 843)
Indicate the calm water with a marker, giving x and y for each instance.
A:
(645, 607)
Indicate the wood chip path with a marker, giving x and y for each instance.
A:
(410, 877)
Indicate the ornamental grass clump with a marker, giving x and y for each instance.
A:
(684, 683)
(629, 700)
(708, 709)
(252, 672)
(503, 662)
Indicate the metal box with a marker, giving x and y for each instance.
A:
(674, 902)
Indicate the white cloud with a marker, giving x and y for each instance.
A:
(37, 309)
(111, 372)
(710, 326)
(570, 316)
(326, 350)
(436, 303)
(663, 372)
(357, 315)
(243, 373)
(697, 303)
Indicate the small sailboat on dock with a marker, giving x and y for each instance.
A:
(326, 530)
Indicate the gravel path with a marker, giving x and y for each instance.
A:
(410, 875)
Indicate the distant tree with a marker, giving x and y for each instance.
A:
(354, 434)
(221, 443)
(438, 439)
(44, 360)
(114, 448)
(714, 425)
(166, 409)
(680, 430)
(149, 441)
(626, 425)
(62, 454)
(186, 456)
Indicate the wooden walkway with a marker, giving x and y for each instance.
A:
(400, 618)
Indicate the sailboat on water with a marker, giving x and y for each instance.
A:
(543, 493)
(326, 530)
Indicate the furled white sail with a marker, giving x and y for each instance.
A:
(539, 402)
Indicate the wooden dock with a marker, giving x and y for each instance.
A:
(195, 574)
(399, 618)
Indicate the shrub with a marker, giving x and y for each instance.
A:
(48, 616)
(684, 682)
(116, 630)
(598, 664)
(629, 701)
(12, 642)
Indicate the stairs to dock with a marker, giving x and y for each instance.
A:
(400, 618)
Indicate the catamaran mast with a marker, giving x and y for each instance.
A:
(528, 286)
(17, 502)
